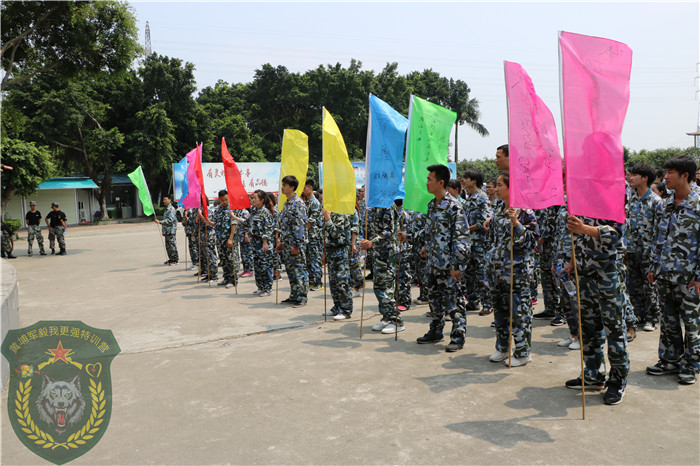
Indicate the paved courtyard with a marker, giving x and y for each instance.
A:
(210, 377)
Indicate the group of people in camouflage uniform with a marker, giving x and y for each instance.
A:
(56, 223)
(472, 251)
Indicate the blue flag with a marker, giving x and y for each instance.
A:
(386, 138)
(182, 170)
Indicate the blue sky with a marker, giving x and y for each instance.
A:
(460, 40)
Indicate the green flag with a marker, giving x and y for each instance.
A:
(428, 144)
(139, 181)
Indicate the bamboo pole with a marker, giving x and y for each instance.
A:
(580, 334)
(163, 242)
(510, 334)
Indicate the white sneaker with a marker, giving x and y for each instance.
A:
(515, 362)
(391, 328)
(340, 316)
(263, 294)
(256, 292)
(498, 356)
(575, 345)
(649, 326)
(229, 285)
(191, 267)
(565, 342)
(380, 326)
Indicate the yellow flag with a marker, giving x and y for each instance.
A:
(295, 159)
(338, 174)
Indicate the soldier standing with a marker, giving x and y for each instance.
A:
(314, 248)
(675, 269)
(209, 259)
(261, 234)
(548, 221)
(224, 233)
(169, 229)
(420, 263)
(33, 219)
(356, 262)
(405, 256)
(190, 223)
(444, 240)
(56, 221)
(293, 237)
(242, 239)
(338, 236)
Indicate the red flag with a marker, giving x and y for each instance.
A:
(237, 195)
(200, 177)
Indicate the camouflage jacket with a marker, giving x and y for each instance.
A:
(222, 222)
(169, 223)
(191, 225)
(337, 231)
(404, 217)
(594, 254)
(478, 209)
(675, 255)
(355, 223)
(243, 226)
(292, 223)
(445, 234)
(525, 238)
(382, 228)
(260, 224)
(414, 231)
(642, 218)
(548, 222)
(562, 238)
(315, 219)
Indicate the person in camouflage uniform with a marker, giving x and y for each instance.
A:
(381, 238)
(642, 218)
(405, 271)
(169, 229)
(314, 249)
(241, 240)
(33, 219)
(271, 199)
(293, 236)
(675, 268)
(363, 215)
(56, 220)
(524, 236)
(7, 242)
(478, 209)
(190, 223)
(420, 263)
(597, 244)
(224, 232)
(261, 234)
(208, 257)
(445, 245)
(336, 228)
(356, 259)
(548, 220)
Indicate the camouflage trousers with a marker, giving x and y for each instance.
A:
(534, 267)
(550, 283)
(643, 295)
(420, 265)
(473, 280)
(314, 251)
(624, 295)
(263, 265)
(679, 306)
(171, 248)
(602, 316)
(34, 231)
(569, 307)
(228, 260)
(207, 257)
(522, 315)
(405, 279)
(194, 250)
(247, 254)
(6, 243)
(384, 282)
(296, 272)
(57, 234)
(339, 279)
(356, 267)
(446, 298)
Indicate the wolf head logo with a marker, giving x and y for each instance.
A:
(60, 403)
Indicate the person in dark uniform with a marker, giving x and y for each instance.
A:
(33, 219)
(56, 220)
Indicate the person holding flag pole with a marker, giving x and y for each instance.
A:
(139, 180)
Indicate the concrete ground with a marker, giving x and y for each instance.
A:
(208, 377)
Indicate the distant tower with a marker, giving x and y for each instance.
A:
(148, 40)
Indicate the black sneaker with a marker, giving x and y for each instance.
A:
(369, 276)
(62, 253)
(288, 300)
(557, 321)
(430, 337)
(663, 368)
(575, 384)
(42, 253)
(545, 315)
(686, 377)
(53, 251)
(452, 347)
(472, 306)
(614, 394)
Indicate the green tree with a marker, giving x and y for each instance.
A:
(153, 143)
(657, 157)
(486, 165)
(31, 164)
(67, 37)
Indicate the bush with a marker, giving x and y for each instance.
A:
(13, 225)
(159, 211)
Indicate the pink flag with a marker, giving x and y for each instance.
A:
(535, 161)
(595, 87)
(193, 198)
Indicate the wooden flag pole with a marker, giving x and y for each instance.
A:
(162, 241)
(580, 335)
(206, 246)
(240, 259)
(364, 272)
(510, 335)
(199, 252)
